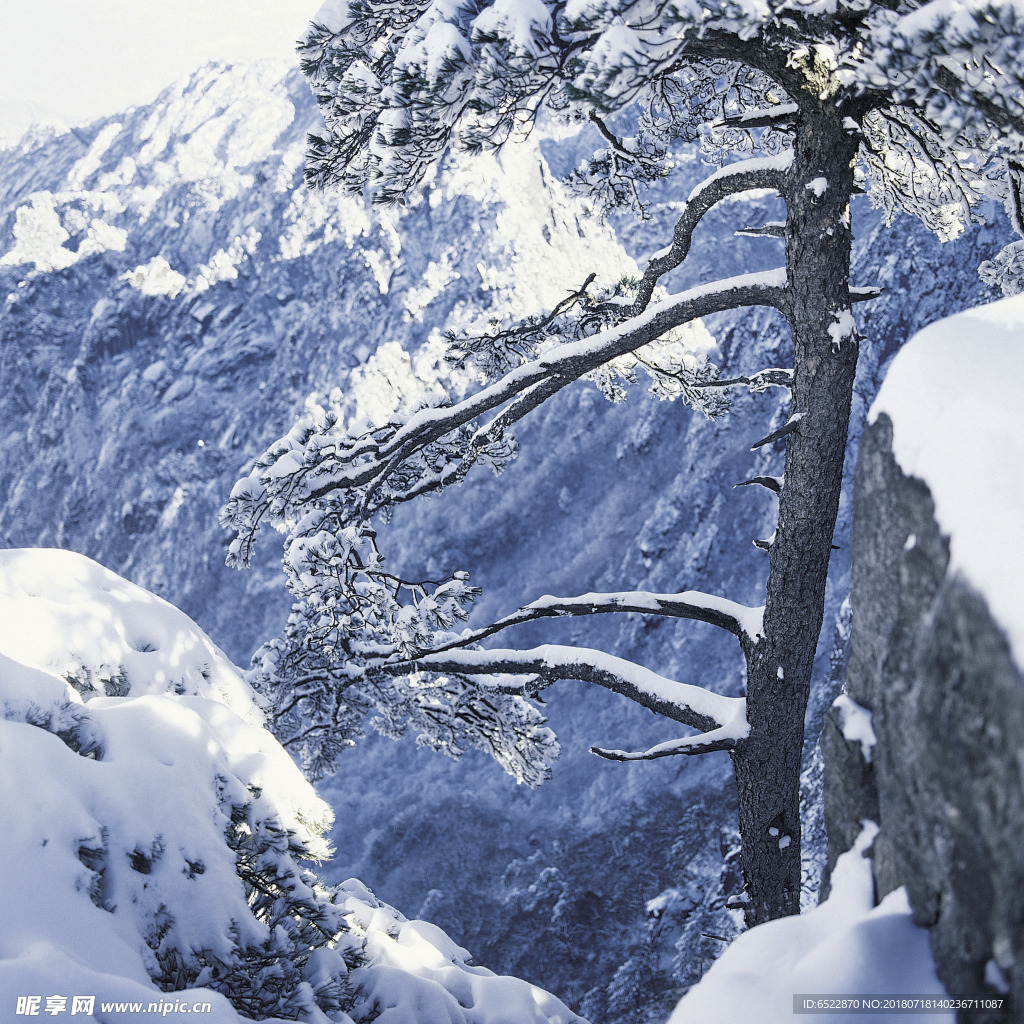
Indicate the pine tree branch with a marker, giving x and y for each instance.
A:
(776, 377)
(734, 179)
(726, 738)
(517, 409)
(553, 370)
(616, 143)
(1015, 180)
(742, 621)
(951, 81)
(541, 667)
(771, 483)
(773, 229)
(789, 427)
(521, 334)
(765, 117)
(425, 485)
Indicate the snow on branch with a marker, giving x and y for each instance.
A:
(773, 229)
(953, 61)
(324, 697)
(775, 377)
(727, 737)
(767, 288)
(911, 165)
(355, 648)
(734, 179)
(542, 666)
(371, 470)
(765, 117)
(742, 621)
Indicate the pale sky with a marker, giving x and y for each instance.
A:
(81, 59)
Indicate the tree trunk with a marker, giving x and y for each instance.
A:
(779, 666)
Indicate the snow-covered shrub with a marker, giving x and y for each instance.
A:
(161, 833)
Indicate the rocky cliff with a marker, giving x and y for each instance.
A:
(933, 738)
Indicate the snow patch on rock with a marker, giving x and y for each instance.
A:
(856, 724)
(953, 396)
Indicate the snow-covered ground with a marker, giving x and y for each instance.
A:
(844, 949)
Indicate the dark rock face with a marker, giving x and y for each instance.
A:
(946, 782)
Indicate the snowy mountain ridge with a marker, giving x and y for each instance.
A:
(188, 164)
(173, 215)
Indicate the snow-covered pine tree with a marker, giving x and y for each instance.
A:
(919, 104)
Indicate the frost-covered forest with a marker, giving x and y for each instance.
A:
(490, 352)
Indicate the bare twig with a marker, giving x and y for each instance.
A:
(771, 483)
(789, 427)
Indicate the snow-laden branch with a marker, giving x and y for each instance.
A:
(772, 229)
(355, 466)
(744, 622)
(775, 377)
(998, 109)
(742, 176)
(540, 667)
(765, 117)
(726, 737)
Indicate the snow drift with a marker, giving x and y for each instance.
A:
(845, 945)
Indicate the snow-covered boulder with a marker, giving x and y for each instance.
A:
(953, 398)
(937, 647)
(156, 834)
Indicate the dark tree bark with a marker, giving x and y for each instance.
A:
(768, 762)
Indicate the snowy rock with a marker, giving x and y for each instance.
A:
(934, 647)
(957, 422)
